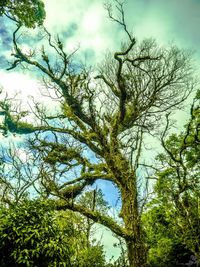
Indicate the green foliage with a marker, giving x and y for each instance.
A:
(91, 257)
(137, 86)
(28, 12)
(30, 236)
(165, 244)
(172, 219)
(86, 253)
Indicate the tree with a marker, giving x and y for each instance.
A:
(88, 251)
(93, 200)
(27, 12)
(173, 216)
(17, 177)
(110, 120)
(166, 247)
(77, 232)
(32, 234)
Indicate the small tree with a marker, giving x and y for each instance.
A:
(173, 217)
(109, 116)
(29, 236)
(88, 251)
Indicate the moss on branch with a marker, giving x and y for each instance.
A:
(96, 217)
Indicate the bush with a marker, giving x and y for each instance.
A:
(30, 236)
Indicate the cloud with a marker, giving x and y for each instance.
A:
(6, 34)
(93, 31)
(23, 91)
(23, 84)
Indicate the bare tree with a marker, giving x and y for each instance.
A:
(17, 175)
(109, 116)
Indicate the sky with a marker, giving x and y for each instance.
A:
(85, 24)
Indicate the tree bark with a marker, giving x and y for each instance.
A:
(137, 253)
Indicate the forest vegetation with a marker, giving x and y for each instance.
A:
(99, 132)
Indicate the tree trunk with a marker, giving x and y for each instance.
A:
(135, 246)
(136, 253)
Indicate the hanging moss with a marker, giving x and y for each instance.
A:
(17, 127)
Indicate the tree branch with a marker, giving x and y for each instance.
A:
(96, 217)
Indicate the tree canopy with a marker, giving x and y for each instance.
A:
(27, 12)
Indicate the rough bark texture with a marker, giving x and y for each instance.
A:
(135, 242)
(136, 245)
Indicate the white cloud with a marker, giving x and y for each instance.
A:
(94, 31)
(23, 87)
(23, 84)
(60, 13)
(5, 142)
(91, 21)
